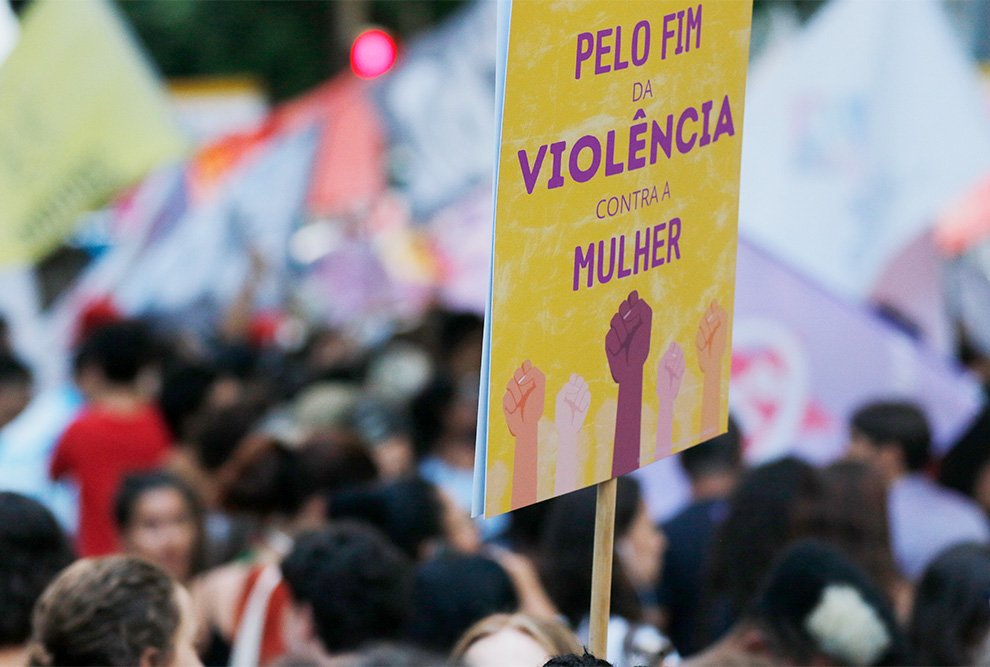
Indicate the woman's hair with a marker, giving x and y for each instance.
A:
(567, 552)
(33, 550)
(952, 606)
(106, 611)
(136, 485)
(845, 504)
(552, 635)
(757, 528)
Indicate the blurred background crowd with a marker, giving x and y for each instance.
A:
(242, 331)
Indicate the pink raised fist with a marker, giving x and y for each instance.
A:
(670, 370)
(627, 343)
(523, 400)
(572, 406)
(711, 338)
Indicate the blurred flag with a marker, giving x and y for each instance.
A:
(81, 116)
(803, 360)
(858, 131)
(9, 30)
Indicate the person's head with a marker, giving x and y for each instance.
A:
(113, 355)
(409, 511)
(714, 466)
(950, 623)
(349, 586)
(845, 504)
(15, 387)
(516, 639)
(756, 528)
(814, 608)
(566, 552)
(33, 550)
(452, 592)
(893, 436)
(576, 660)
(116, 610)
(161, 518)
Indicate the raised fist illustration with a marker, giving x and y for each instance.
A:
(627, 343)
(523, 400)
(711, 338)
(572, 406)
(670, 370)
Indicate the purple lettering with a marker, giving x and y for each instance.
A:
(619, 63)
(530, 174)
(602, 278)
(659, 138)
(667, 34)
(673, 234)
(685, 146)
(583, 175)
(557, 150)
(724, 125)
(636, 145)
(623, 272)
(693, 21)
(601, 49)
(657, 245)
(706, 138)
(642, 26)
(611, 167)
(642, 250)
(584, 261)
(586, 40)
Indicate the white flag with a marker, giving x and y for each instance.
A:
(857, 131)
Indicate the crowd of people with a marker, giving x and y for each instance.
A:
(246, 501)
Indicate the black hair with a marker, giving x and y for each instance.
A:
(452, 593)
(952, 606)
(566, 552)
(896, 423)
(13, 370)
(221, 431)
(795, 586)
(409, 511)
(427, 410)
(722, 453)
(119, 350)
(358, 585)
(574, 660)
(33, 550)
(183, 392)
(757, 527)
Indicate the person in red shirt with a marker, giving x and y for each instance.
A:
(119, 431)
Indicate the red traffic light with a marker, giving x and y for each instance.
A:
(372, 54)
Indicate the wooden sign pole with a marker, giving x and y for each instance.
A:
(601, 570)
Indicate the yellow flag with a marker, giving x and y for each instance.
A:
(82, 115)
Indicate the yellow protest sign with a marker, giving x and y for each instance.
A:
(81, 116)
(615, 240)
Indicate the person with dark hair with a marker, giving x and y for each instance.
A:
(950, 624)
(814, 608)
(565, 564)
(575, 660)
(452, 592)
(925, 518)
(409, 511)
(160, 518)
(757, 527)
(15, 388)
(33, 550)
(713, 469)
(116, 610)
(349, 586)
(117, 432)
(845, 505)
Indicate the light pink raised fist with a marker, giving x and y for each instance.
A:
(523, 400)
(670, 371)
(572, 405)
